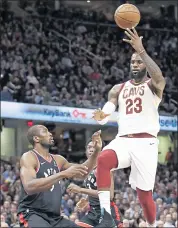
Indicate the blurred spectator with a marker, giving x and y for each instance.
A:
(169, 221)
(6, 95)
(169, 156)
(126, 223)
(165, 194)
(37, 64)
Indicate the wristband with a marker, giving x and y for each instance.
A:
(108, 108)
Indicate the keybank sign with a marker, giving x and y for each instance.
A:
(56, 112)
(64, 114)
(46, 113)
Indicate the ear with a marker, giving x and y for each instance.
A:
(36, 139)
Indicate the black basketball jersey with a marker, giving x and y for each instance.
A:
(90, 183)
(44, 202)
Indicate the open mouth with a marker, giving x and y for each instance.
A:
(135, 72)
(90, 153)
(52, 140)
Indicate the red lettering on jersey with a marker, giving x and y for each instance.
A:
(133, 106)
(142, 90)
(131, 93)
(134, 91)
(125, 93)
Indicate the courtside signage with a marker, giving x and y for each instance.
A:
(64, 114)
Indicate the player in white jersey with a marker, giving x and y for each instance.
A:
(136, 143)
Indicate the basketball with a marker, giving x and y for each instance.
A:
(127, 16)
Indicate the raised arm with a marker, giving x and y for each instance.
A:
(31, 184)
(77, 189)
(157, 80)
(91, 161)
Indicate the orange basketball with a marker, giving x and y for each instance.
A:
(127, 16)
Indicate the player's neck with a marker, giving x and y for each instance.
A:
(42, 151)
(95, 165)
(139, 81)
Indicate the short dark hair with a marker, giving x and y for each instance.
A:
(32, 131)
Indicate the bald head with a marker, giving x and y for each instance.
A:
(39, 136)
(34, 131)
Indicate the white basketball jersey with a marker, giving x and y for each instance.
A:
(138, 109)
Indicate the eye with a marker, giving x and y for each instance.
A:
(139, 62)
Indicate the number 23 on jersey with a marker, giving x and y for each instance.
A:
(133, 105)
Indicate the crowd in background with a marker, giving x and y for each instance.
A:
(38, 65)
(165, 196)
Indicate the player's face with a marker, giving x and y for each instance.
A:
(89, 149)
(45, 137)
(138, 68)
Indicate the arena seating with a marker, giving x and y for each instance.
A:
(56, 61)
(165, 195)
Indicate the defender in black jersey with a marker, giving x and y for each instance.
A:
(40, 174)
(90, 189)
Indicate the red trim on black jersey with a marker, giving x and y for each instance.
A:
(116, 211)
(22, 220)
(38, 167)
(56, 162)
(50, 159)
(83, 224)
(117, 214)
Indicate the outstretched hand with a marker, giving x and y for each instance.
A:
(96, 139)
(135, 40)
(99, 115)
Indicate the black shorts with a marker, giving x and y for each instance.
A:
(35, 220)
(93, 216)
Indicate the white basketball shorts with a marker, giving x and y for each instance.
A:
(139, 153)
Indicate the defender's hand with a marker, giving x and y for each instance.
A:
(99, 115)
(82, 204)
(76, 171)
(73, 188)
(96, 139)
(135, 40)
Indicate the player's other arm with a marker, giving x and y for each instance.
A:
(31, 184)
(90, 192)
(157, 80)
(102, 116)
(91, 161)
(77, 189)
